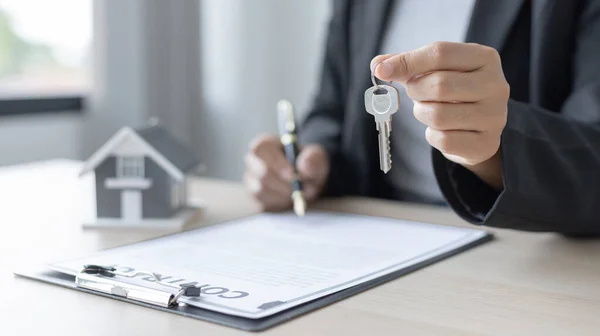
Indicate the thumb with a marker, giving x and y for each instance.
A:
(312, 164)
(382, 66)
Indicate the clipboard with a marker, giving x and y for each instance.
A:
(114, 287)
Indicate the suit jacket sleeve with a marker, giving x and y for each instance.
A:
(324, 122)
(550, 161)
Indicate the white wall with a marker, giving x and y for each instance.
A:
(39, 137)
(254, 53)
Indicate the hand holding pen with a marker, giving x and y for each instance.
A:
(269, 174)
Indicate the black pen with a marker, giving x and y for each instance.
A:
(287, 134)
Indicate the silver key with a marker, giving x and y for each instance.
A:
(382, 101)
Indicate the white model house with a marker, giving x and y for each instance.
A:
(140, 179)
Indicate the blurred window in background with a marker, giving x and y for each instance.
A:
(45, 48)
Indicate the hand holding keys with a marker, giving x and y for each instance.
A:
(382, 101)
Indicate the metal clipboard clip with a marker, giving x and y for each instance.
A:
(104, 279)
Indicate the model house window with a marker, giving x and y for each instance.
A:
(130, 166)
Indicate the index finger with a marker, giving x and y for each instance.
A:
(445, 56)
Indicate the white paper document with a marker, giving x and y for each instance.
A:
(260, 265)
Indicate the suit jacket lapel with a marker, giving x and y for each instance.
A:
(377, 15)
(371, 29)
(492, 21)
(539, 9)
(552, 21)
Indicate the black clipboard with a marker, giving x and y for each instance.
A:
(248, 324)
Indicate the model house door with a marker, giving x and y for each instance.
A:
(131, 205)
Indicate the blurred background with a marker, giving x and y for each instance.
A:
(72, 72)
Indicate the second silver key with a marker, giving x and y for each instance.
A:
(382, 101)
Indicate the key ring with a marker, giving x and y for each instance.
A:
(373, 75)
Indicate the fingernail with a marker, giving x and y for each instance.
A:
(383, 69)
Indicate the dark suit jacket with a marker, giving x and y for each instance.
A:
(550, 147)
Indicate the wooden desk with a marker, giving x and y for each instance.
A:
(520, 284)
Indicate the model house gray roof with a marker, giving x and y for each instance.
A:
(174, 151)
(153, 142)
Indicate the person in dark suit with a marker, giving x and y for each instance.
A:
(505, 122)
